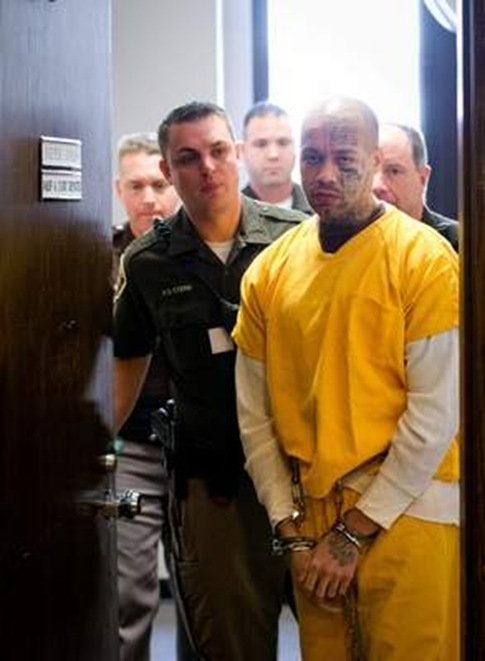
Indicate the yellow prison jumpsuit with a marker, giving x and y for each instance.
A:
(331, 330)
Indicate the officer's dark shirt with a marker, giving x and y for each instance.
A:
(298, 198)
(155, 390)
(173, 289)
(447, 227)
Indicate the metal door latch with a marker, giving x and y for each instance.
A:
(126, 505)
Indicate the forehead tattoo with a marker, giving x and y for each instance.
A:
(344, 134)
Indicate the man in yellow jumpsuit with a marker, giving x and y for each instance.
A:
(347, 376)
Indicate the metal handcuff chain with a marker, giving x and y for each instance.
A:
(354, 642)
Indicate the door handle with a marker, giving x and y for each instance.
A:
(129, 504)
(126, 505)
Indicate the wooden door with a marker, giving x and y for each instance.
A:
(471, 96)
(57, 566)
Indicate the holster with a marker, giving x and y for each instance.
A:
(164, 425)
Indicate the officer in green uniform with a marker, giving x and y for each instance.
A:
(180, 288)
(268, 152)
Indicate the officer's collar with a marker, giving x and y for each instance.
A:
(184, 237)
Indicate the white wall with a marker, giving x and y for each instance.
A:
(237, 59)
(167, 53)
(337, 57)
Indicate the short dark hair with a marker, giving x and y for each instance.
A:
(261, 109)
(418, 144)
(191, 112)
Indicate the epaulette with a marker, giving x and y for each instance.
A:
(273, 212)
(117, 230)
(120, 237)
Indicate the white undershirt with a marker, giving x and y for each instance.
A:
(404, 483)
(222, 248)
(287, 203)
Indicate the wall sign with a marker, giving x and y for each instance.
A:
(61, 185)
(60, 168)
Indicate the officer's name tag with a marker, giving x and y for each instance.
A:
(220, 340)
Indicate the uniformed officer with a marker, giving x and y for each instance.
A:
(268, 153)
(180, 287)
(403, 175)
(145, 194)
(141, 188)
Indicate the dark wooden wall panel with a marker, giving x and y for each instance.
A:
(56, 566)
(472, 214)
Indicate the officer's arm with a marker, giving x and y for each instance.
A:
(129, 377)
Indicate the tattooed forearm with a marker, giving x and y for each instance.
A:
(341, 550)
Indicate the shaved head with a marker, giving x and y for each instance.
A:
(338, 160)
(342, 108)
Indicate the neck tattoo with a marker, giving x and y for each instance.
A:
(334, 234)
